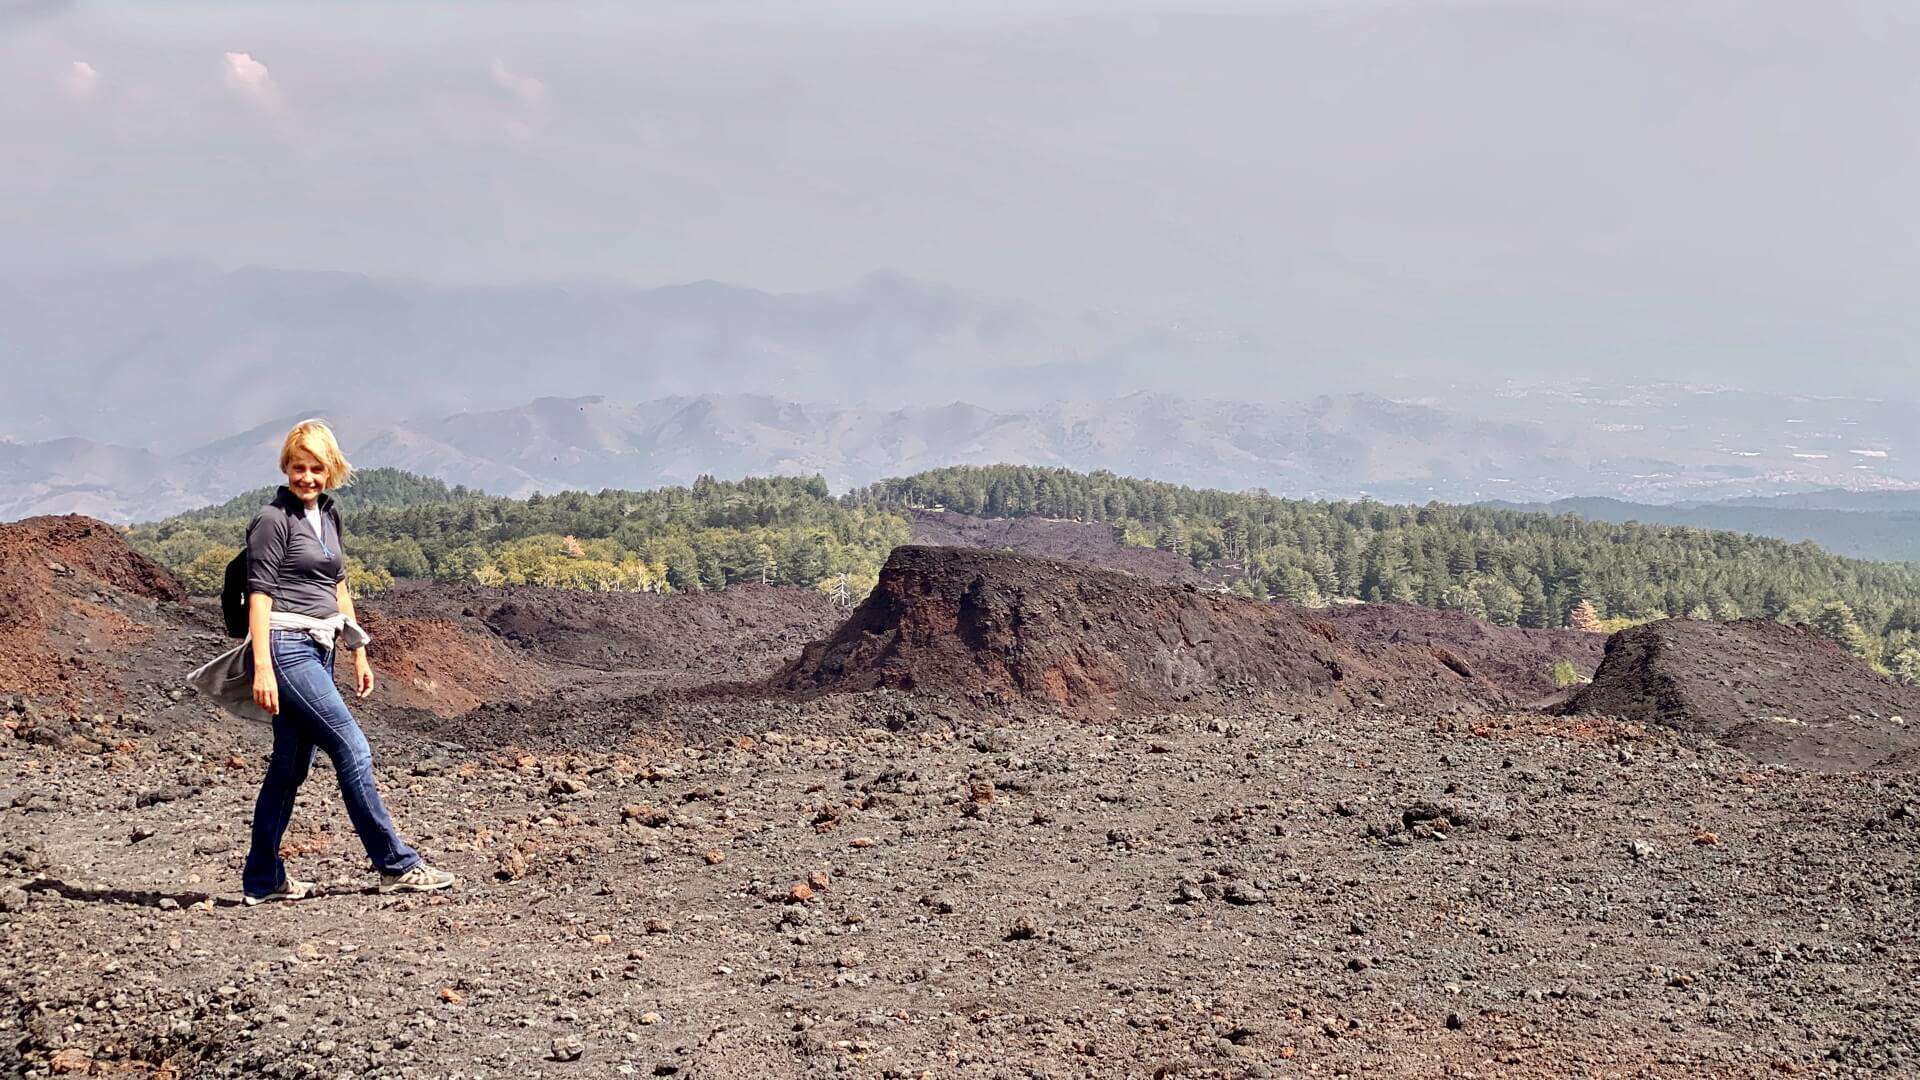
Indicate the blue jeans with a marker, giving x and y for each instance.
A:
(312, 715)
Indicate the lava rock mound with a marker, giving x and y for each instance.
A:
(741, 632)
(74, 545)
(988, 625)
(70, 589)
(1519, 659)
(1082, 541)
(443, 667)
(1783, 694)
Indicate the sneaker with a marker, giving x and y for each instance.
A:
(289, 889)
(418, 878)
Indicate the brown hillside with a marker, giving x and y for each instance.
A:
(1780, 693)
(440, 666)
(981, 624)
(1519, 659)
(743, 631)
(70, 588)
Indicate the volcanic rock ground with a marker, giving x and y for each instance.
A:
(886, 884)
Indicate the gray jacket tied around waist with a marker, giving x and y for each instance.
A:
(227, 679)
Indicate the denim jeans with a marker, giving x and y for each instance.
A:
(313, 715)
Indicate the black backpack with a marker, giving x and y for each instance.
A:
(233, 596)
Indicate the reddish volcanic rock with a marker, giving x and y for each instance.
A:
(70, 587)
(972, 622)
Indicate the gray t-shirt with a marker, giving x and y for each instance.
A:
(292, 563)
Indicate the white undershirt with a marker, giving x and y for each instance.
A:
(313, 519)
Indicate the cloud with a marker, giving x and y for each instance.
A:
(251, 80)
(531, 92)
(83, 81)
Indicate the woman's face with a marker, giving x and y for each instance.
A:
(306, 476)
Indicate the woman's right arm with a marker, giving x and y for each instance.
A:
(266, 688)
(266, 547)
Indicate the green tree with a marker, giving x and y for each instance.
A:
(1462, 598)
(1233, 534)
(206, 574)
(683, 569)
(1774, 601)
(1535, 611)
(1905, 666)
(1348, 570)
(461, 565)
(1835, 621)
(364, 580)
(1502, 601)
(404, 558)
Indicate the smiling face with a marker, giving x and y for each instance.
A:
(306, 476)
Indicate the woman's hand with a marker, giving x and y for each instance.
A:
(362, 673)
(266, 690)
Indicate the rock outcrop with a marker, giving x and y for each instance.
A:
(1781, 693)
(981, 624)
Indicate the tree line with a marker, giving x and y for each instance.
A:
(1512, 568)
(1508, 567)
(779, 531)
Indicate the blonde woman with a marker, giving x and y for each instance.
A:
(297, 603)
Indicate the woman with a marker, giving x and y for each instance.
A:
(297, 602)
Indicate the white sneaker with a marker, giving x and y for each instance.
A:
(417, 878)
(290, 889)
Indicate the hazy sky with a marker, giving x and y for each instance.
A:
(1569, 186)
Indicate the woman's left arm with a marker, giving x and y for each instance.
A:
(362, 670)
(344, 596)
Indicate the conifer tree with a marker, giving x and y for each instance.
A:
(1534, 611)
(1584, 617)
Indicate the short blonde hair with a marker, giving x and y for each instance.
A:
(316, 439)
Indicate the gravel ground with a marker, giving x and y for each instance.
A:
(665, 877)
(1278, 890)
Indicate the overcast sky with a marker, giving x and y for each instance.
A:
(1569, 187)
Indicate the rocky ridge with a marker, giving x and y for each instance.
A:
(996, 625)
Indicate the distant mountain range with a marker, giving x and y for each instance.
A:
(166, 356)
(1328, 446)
(1333, 447)
(136, 393)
